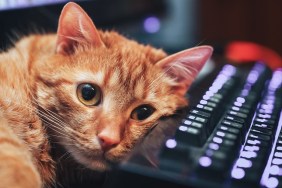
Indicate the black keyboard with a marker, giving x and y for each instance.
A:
(229, 137)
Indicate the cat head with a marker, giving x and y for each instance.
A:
(101, 93)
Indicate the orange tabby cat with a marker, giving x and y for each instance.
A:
(93, 93)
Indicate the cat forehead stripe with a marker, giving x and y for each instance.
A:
(97, 77)
(114, 78)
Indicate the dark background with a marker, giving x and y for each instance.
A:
(258, 21)
(182, 23)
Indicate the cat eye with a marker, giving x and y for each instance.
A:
(89, 94)
(142, 112)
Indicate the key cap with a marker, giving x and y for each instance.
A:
(235, 119)
(200, 113)
(265, 121)
(252, 171)
(262, 126)
(260, 136)
(233, 130)
(226, 135)
(229, 130)
(233, 124)
(214, 99)
(237, 114)
(191, 136)
(197, 118)
(251, 178)
(240, 109)
(208, 103)
(212, 168)
(173, 156)
(206, 108)
(256, 142)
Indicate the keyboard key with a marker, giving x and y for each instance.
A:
(191, 136)
(265, 121)
(214, 99)
(277, 161)
(233, 124)
(262, 131)
(262, 126)
(200, 113)
(235, 119)
(261, 115)
(217, 154)
(193, 124)
(230, 130)
(260, 136)
(278, 154)
(257, 142)
(240, 109)
(251, 178)
(209, 147)
(212, 168)
(248, 147)
(237, 114)
(252, 167)
(173, 157)
(206, 108)
(226, 135)
(248, 154)
(201, 119)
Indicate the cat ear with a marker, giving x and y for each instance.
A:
(75, 27)
(184, 66)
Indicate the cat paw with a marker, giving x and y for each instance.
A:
(18, 174)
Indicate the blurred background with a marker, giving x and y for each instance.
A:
(169, 24)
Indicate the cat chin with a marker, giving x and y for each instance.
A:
(97, 163)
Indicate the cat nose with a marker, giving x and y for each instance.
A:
(108, 141)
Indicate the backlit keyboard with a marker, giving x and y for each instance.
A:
(229, 137)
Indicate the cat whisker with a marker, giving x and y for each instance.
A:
(50, 114)
(57, 136)
(34, 101)
(45, 113)
(55, 116)
(47, 118)
(153, 126)
(40, 113)
(58, 128)
(64, 155)
(50, 121)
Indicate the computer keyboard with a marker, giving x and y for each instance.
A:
(229, 137)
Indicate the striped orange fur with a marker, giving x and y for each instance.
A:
(40, 105)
